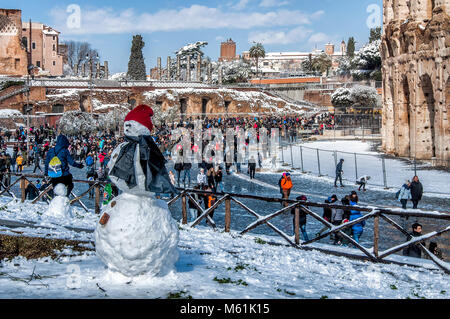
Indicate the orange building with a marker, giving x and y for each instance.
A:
(228, 51)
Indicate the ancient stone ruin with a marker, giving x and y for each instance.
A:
(416, 79)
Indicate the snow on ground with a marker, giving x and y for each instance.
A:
(435, 182)
(219, 265)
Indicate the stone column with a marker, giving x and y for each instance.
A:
(83, 70)
(159, 68)
(199, 68)
(168, 78)
(209, 73)
(178, 68)
(106, 70)
(188, 69)
(220, 74)
(97, 70)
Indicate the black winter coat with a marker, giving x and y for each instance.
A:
(413, 250)
(416, 190)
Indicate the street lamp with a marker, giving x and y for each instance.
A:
(89, 58)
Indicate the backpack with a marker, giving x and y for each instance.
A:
(89, 161)
(55, 167)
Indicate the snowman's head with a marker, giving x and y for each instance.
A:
(133, 128)
(138, 121)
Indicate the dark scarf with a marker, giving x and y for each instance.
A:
(152, 163)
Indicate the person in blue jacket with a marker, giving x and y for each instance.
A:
(358, 228)
(61, 151)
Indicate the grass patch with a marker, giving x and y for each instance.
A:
(35, 247)
(241, 266)
(324, 297)
(179, 295)
(393, 287)
(260, 241)
(229, 281)
(443, 292)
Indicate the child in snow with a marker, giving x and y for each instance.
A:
(362, 182)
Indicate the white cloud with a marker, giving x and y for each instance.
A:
(220, 38)
(241, 4)
(195, 17)
(280, 37)
(319, 38)
(272, 3)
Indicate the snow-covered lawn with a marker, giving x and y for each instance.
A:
(212, 264)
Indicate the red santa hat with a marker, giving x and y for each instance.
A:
(141, 114)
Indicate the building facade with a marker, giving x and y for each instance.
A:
(416, 79)
(45, 47)
(228, 51)
(13, 54)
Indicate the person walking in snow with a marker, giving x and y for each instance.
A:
(405, 194)
(358, 228)
(286, 186)
(201, 178)
(61, 169)
(416, 191)
(252, 167)
(362, 181)
(339, 173)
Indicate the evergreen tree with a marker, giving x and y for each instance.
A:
(375, 34)
(351, 47)
(136, 64)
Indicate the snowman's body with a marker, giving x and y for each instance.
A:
(140, 236)
(59, 206)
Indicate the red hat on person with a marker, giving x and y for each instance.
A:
(141, 114)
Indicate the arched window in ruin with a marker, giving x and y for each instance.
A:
(204, 104)
(58, 108)
(27, 108)
(427, 102)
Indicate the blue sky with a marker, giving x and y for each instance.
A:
(166, 26)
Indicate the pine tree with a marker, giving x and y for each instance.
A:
(351, 47)
(375, 34)
(136, 65)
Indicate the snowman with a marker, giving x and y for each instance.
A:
(136, 234)
(59, 206)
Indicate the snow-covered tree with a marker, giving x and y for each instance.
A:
(73, 122)
(365, 65)
(357, 96)
(236, 71)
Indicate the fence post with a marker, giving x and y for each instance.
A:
(415, 167)
(297, 225)
(97, 199)
(227, 215)
(384, 172)
(22, 188)
(375, 235)
(335, 158)
(183, 208)
(301, 157)
(292, 158)
(356, 168)
(318, 161)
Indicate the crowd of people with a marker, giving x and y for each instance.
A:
(94, 153)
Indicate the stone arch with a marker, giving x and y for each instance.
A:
(427, 129)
